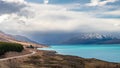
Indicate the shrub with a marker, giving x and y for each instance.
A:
(6, 47)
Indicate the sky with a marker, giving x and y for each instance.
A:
(32, 16)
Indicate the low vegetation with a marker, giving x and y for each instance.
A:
(51, 60)
(6, 47)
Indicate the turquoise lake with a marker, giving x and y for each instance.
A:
(109, 53)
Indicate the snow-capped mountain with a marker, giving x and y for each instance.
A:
(93, 38)
(77, 38)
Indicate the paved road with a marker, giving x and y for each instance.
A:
(33, 52)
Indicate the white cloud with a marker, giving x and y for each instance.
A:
(117, 24)
(14, 1)
(40, 17)
(115, 12)
(94, 3)
(100, 3)
(3, 17)
(46, 1)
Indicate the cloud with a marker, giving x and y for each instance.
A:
(115, 12)
(42, 18)
(117, 24)
(100, 3)
(109, 14)
(46, 1)
(94, 3)
(10, 7)
(3, 17)
(14, 1)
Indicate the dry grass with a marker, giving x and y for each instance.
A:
(47, 59)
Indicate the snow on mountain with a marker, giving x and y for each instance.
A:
(93, 38)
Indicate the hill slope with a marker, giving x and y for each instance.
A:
(20, 39)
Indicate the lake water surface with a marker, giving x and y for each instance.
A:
(109, 53)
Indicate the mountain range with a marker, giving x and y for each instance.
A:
(93, 38)
(81, 38)
(17, 39)
(56, 38)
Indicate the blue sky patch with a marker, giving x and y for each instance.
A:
(61, 1)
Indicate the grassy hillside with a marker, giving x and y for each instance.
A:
(6, 47)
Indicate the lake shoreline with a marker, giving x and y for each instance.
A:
(85, 61)
(50, 59)
(101, 52)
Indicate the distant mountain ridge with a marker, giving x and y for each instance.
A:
(17, 39)
(5, 37)
(93, 38)
(23, 38)
(79, 38)
(59, 38)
